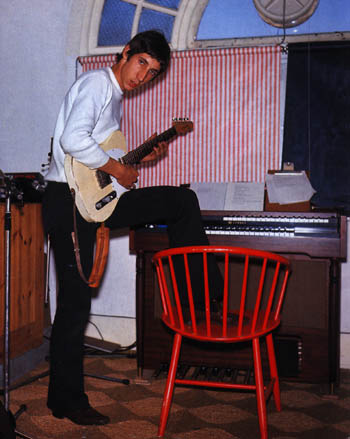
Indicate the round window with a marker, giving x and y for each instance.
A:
(285, 13)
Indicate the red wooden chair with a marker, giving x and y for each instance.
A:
(254, 284)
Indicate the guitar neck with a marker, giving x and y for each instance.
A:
(136, 155)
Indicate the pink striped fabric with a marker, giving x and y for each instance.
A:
(233, 98)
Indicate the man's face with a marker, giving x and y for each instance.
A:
(136, 71)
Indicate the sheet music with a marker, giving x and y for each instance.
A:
(244, 196)
(211, 196)
(289, 187)
(230, 196)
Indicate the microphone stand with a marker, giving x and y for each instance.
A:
(9, 190)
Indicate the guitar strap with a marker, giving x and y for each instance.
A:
(101, 253)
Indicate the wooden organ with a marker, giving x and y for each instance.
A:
(307, 341)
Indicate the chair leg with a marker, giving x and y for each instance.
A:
(260, 393)
(169, 387)
(273, 371)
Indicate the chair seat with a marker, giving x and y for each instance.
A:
(233, 334)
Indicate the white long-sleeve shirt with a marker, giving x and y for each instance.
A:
(91, 111)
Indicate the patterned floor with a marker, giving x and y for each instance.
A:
(134, 409)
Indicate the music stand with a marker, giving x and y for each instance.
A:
(8, 191)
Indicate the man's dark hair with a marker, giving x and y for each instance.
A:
(154, 44)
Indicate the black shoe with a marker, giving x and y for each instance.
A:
(84, 416)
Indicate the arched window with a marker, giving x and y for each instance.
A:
(226, 23)
(109, 24)
(137, 17)
(191, 24)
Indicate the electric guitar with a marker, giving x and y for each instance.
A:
(96, 193)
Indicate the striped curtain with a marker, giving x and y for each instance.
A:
(233, 97)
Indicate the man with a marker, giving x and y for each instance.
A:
(90, 113)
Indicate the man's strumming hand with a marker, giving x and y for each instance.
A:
(126, 175)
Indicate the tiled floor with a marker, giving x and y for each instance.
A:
(134, 409)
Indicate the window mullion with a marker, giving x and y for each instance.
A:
(144, 4)
(135, 24)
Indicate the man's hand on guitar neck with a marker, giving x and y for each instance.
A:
(158, 151)
(126, 175)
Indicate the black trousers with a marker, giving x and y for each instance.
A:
(174, 206)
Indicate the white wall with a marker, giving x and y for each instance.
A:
(345, 307)
(39, 44)
(35, 73)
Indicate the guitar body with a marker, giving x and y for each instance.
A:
(96, 193)
(85, 184)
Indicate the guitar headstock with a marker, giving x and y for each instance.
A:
(182, 125)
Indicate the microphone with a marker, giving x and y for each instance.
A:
(39, 184)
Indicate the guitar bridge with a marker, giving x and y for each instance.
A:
(105, 200)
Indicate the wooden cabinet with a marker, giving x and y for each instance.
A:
(27, 272)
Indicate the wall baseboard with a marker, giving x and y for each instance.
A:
(119, 330)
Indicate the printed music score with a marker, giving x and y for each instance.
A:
(230, 196)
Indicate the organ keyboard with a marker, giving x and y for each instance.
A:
(317, 234)
(316, 244)
(281, 226)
